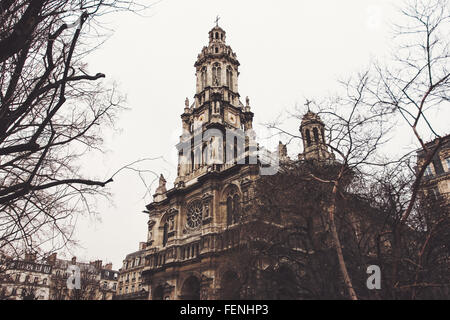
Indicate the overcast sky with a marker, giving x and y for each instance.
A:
(288, 50)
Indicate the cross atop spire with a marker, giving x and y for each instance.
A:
(217, 21)
(308, 102)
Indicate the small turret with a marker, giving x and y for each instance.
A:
(312, 130)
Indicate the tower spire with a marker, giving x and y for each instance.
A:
(217, 108)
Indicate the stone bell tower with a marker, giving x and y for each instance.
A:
(192, 226)
(216, 111)
(312, 130)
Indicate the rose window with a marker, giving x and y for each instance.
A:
(194, 215)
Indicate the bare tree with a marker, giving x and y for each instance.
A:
(52, 111)
(404, 241)
(416, 83)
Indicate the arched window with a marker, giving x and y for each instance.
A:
(233, 207)
(235, 149)
(165, 234)
(217, 74)
(308, 138)
(203, 77)
(229, 78)
(198, 157)
(229, 211)
(316, 134)
(236, 208)
(217, 35)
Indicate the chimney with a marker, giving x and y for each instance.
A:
(52, 259)
(97, 264)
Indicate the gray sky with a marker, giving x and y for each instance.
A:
(288, 50)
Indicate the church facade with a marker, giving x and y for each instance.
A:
(189, 226)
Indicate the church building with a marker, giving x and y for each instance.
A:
(189, 225)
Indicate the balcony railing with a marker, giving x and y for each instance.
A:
(190, 251)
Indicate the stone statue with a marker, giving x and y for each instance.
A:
(247, 101)
(186, 103)
(162, 185)
(214, 150)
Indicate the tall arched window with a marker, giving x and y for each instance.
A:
(229, 78)
(233, 207)
(217, 74)
(308, 138)
(198, 157)
(235, 149)
(165, 234)
(236, 208)
(316, 134)
(229, 211)
(203, 77)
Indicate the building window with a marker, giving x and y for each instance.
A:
(316, 134)
(229, 78)
(229, 211)
(165, 234)
(194, 215)
(235, 149)
(217, 74)
(308, 138)
(447, 161)
(434, 193)
(203, 78)
(44, 282)
(233, 209)
(428, 171)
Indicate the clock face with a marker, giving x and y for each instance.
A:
(231, 118)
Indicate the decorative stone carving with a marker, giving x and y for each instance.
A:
(151, 224)
(160, 193)
(207, 205)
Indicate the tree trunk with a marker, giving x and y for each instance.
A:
(337, 245)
